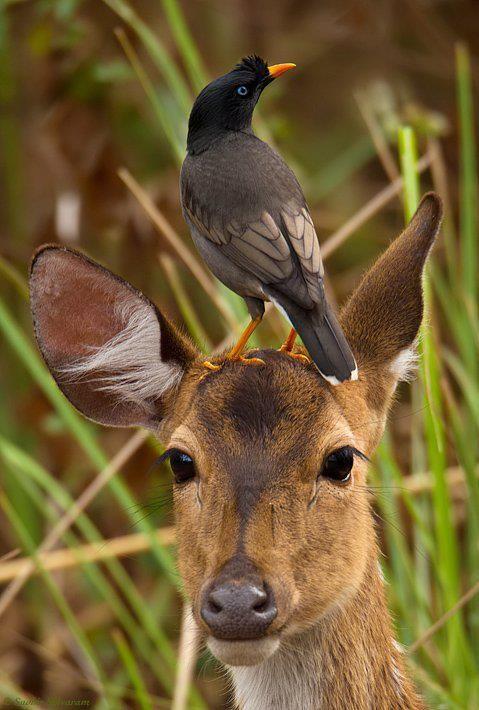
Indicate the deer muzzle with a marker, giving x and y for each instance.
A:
(238, 604)
(239, 609)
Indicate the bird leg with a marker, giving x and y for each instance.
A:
(236, 351)
(288, 345)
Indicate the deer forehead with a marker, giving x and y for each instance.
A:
(269, 419)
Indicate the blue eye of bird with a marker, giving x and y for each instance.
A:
(242, 90)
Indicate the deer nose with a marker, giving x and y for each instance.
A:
(238, 610)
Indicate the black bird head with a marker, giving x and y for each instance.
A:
(227, 103)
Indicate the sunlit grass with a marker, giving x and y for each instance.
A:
(431, 557)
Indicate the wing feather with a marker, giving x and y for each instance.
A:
(276, 249)
(300, 229)
(267, 268)
(264, 248)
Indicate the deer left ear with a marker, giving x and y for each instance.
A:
(112, 353)
(383, 316)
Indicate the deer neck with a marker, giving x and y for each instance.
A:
(348, 659)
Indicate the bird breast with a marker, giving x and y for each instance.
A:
(238, 179)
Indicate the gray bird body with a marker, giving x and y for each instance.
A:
(238, 198)
(250, 222)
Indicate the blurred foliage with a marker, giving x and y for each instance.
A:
(87, 88)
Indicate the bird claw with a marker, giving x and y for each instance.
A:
(296, 356)
(247, 360)
(211, 366)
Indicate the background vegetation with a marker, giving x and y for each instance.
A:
(94, 98)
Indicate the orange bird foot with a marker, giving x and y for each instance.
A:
(211, 366)
(214, 367)
(288, 345)
(235, 352)
(247, 360)
(296, 356)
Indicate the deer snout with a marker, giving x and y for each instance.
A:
(237, 610)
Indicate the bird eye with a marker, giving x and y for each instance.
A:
(337, 466)
(242, 90)
(182, 465)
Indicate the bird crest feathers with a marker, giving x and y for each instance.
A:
(254, 64)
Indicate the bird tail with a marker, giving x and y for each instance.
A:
(323, 338)
(327, 345)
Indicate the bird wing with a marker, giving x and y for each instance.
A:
(275, 251)
(299, 227)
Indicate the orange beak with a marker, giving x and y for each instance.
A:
(277, 69)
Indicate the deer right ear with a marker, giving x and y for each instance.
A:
(112, 353)
(383, 316)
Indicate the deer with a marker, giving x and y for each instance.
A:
(277, 546)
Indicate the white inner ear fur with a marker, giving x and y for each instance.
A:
(129, 365)
(404, 365)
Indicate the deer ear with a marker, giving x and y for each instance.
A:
(112, 353)
(383, 316)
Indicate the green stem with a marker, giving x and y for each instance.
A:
(468, 205)
(185, 43)
(446, 539)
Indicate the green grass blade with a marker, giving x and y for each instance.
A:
(133, 671)
(156, 50)
(27, 469)
(340, 168)
(82, 431)
(11, 274)
(408, 161)
(184, 304)
(169, 117)
(83, 642)
(400, 570)
(468, 287)
(446, 539)
(10, 691)
(468, 202)
(185, 43)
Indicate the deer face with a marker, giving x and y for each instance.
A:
(272, 515)
(269, 463)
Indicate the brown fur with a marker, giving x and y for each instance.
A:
(258, 436)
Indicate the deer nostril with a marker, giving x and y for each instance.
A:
(214, 602)
(262, 600)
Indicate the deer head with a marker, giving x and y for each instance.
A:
(269, 463)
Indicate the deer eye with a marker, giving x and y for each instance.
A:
(182, 465)
(337, 466)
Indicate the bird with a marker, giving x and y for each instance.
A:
(249, 220)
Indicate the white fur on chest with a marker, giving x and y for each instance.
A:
(287, 681)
